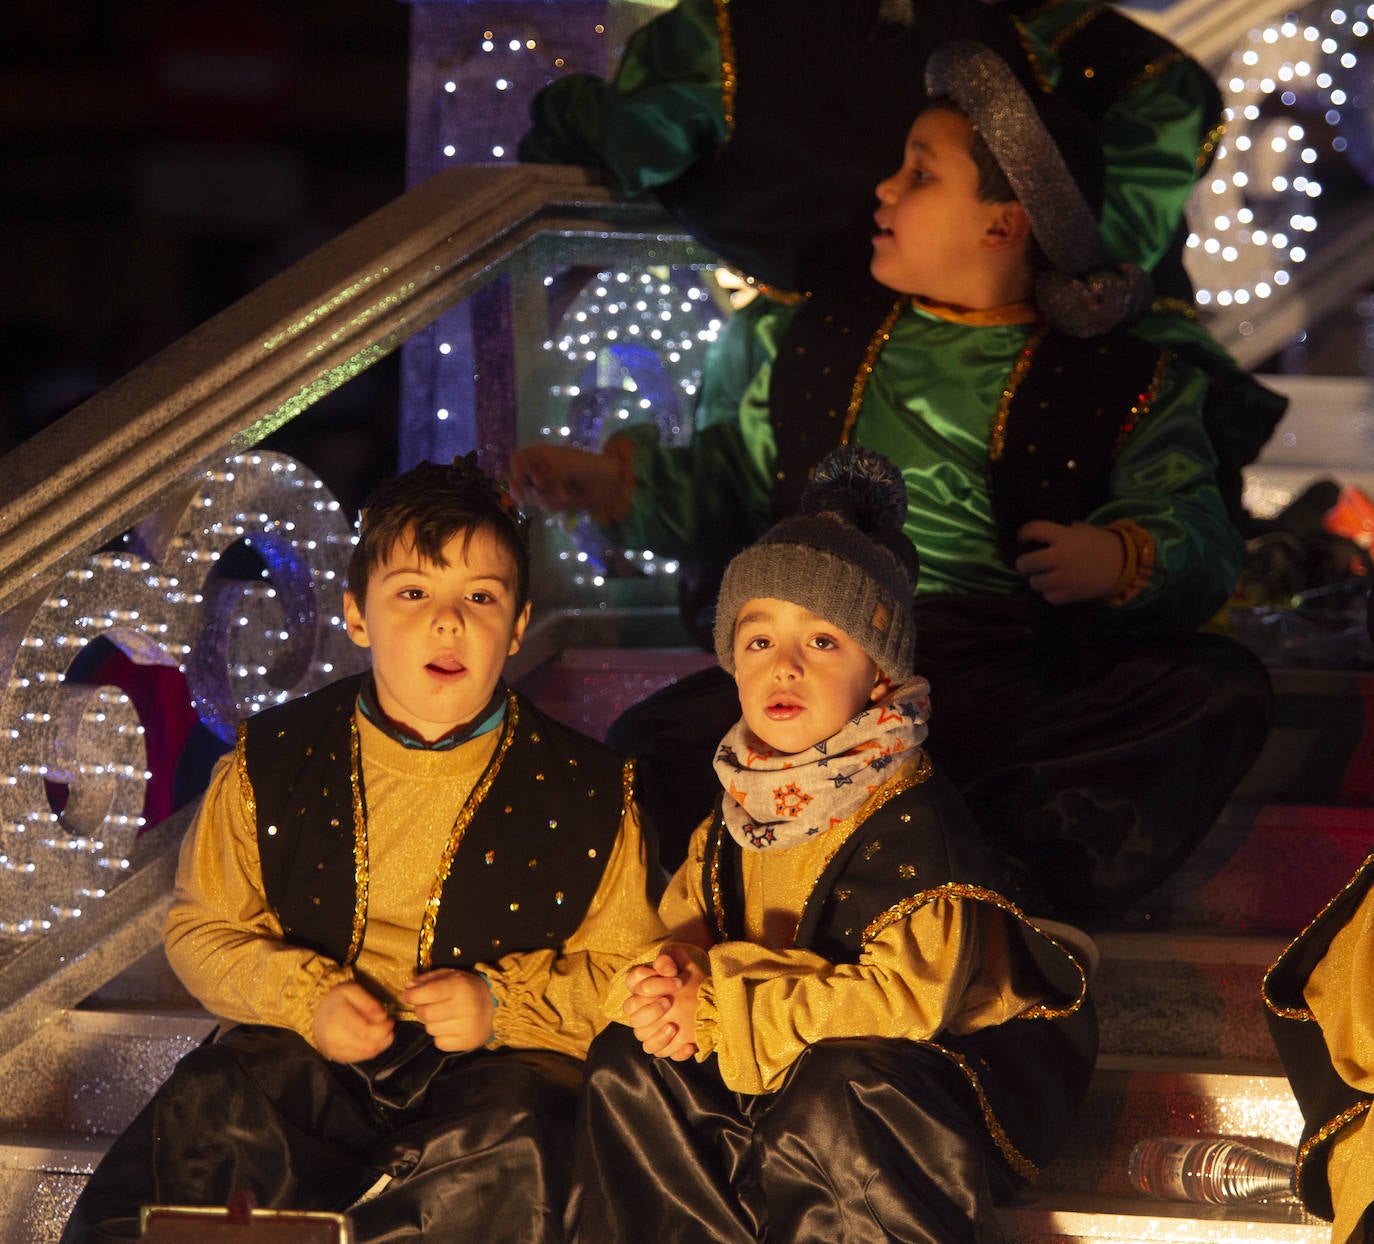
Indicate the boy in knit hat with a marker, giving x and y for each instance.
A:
(1063, 498)
(849, 1030)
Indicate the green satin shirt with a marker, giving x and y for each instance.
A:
(929, 406)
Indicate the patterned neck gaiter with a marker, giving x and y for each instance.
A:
(777, 799)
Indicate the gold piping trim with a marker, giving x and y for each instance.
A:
(1154, 69)
(250, 800)
(361, 871)
(1175, 306)
(460, 827)
(1325, 1132)
(1296, 1012)
(997, 439)
(1209, 145)
(717, 902)
(1018, 1161)
(1144, 403)
(1071, 28)
(875, 347)
(1032, 57)
(890, 790)
(958, 889)
(728, 81)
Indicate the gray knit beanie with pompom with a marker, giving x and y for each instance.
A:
(844, 558)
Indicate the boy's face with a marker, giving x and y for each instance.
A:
(933, 231)
(800, 679)
(439, 635)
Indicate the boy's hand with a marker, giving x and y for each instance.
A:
(558, 477)
(455, 1007)
(1079, 562)
(663, 1004)
(351, 1025)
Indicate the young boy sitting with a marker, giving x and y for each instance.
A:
(850, 1033)
(404, 895)
(1063, 499)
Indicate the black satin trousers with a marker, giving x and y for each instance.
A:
(476, 1144)
(867, 1142)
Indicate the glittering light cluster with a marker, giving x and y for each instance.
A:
(162, 601)
(494, 79)
(629, 350)
(1295, 102)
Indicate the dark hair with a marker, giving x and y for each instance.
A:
(993, 186)
(1081, 153)
(427, 506)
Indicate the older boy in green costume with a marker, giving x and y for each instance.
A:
(1094, 735)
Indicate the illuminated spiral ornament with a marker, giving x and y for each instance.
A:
(75, 778)
(1289, 115)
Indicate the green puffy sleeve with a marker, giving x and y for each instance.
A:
(1153, 139)
(661, 112)
(1165, 480)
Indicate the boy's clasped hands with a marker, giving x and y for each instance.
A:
(662, 1005)
(455, 1007)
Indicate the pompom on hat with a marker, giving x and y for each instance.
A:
(844, 558)
(1051, 156)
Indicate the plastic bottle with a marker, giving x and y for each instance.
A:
(1175, 1168)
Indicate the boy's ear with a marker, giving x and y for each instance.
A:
(882, 684)
(517, 633)
(1009, 225)
(354, 621)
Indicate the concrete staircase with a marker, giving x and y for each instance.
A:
(1184, 1045)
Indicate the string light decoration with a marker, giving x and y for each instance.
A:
(1297, 101)
(629, 350)
(161, 600)
(491, 83)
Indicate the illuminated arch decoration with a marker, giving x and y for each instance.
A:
(1296, 103)
(628, 350)
(241, 644)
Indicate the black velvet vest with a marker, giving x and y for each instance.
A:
(533, 837)
(1328, 1103)
(920, 842)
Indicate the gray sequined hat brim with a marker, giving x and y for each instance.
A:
(988, 93)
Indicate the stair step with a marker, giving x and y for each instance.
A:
(1089, 1219)
(1263, 868)
(1184, 996)
(1133, 1098)
(1320, 748)
(89, 1072)
(35, 1204)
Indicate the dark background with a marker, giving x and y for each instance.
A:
(160, 160)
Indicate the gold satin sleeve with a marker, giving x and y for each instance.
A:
(223, 940)
(555, 999)
(948, 966)
(1340, 998)
(763, 1007)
